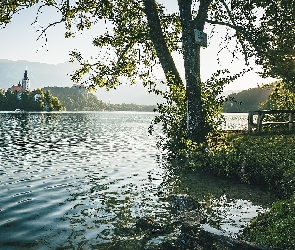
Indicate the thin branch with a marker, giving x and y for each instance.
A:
(228, 11)
(47, 27)
(237, 30)
(221, 23)
(43, 30)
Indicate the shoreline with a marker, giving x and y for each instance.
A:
(262, 160)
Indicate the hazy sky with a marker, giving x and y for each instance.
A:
(18, 42)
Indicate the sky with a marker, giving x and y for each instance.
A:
(18, 41)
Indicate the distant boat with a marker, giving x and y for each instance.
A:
(18, 111)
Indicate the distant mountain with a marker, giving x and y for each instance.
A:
(247, 100)
(42, 74)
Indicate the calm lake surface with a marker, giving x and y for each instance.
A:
(82, 180)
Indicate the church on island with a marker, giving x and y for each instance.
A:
(24, 86)
(20, 98)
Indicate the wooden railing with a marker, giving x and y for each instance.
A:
(262, 113)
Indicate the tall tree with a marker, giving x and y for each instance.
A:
(141, 34)
(275, 43)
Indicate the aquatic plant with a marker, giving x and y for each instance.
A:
(264, 160)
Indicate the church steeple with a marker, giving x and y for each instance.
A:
(26, 81)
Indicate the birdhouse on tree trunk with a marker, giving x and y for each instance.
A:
(201, 38)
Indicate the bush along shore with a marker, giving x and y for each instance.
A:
(266, 160)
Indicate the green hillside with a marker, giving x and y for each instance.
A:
(78, 99)
(246, 100)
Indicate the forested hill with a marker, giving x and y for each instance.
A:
(247, 100)
(78, 99)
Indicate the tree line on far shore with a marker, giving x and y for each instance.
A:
(247, 100)
(78, 99)
(62, 98)
(37, 100)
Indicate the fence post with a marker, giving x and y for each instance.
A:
(291, 120)
(259, 120)
(250, 121)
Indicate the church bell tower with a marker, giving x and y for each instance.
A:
(26, 82)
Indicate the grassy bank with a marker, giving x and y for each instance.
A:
(267, 161)
(274, 228)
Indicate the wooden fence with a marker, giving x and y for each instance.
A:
(262, 113)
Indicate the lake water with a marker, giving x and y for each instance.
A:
(81, 181)
(236, 121)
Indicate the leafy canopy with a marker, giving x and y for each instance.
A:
(141, 36)
(264, 29)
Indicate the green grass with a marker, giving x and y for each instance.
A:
(274, 228)
(266, 160)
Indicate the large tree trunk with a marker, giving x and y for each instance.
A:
(196, 124)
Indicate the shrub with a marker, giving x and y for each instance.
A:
(274, 228)
(267, 161)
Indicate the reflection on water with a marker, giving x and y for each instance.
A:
(229, 205)
(81, 181)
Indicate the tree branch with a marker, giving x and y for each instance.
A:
(43, 30)
(240, 29)
(220, 23)
(200, 19)
(157, 38)
(237, 30)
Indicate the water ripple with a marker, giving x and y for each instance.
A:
(71, 180)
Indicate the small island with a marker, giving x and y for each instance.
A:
(75, 98)
(19, 97)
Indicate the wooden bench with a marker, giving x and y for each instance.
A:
(262, 113)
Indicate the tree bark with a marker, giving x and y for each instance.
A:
(196, 124)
